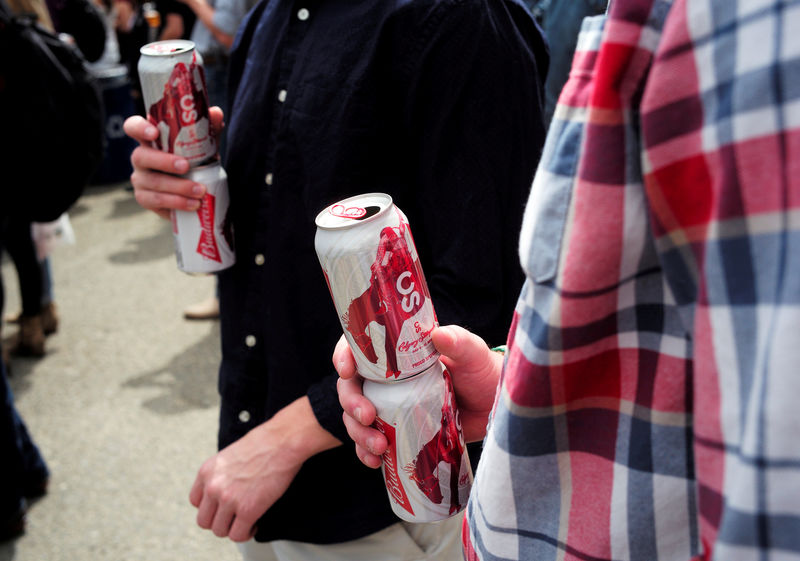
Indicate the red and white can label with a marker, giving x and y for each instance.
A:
(375, 278)
(181, 115)
(391, 473)
(394, 315)
(204, 238)
(425, 467)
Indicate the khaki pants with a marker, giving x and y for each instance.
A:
(401, 542)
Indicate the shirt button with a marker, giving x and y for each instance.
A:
(282, 96)
(303, 14)
(250, 340)
(268, 179)
(244, 416)
(260, 259)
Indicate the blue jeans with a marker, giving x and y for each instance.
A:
(22, 467)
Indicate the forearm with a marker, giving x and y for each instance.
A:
(296, 429)
(173, 27)
(205, 13)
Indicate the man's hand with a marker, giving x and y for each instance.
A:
(238, 484)
(155, 180)
(475, 369)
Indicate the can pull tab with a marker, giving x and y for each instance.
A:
(354, 212)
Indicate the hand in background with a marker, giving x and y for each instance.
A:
(155, 178)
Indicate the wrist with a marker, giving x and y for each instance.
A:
(299, 433)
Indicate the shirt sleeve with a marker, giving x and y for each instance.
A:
(228, 14)
(473, 111)
(324, 401)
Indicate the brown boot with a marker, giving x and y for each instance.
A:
(49, 318)
(5, 356)
(30, 340)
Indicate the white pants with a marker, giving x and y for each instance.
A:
(440, 541)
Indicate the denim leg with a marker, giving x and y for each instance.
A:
(47, 281)
(22, 464)
(12, 467)
(19, 244)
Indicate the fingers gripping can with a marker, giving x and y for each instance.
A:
(204, 238)
(367, 253)
(426, 467)
(176, 99)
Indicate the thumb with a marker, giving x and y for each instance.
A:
(459, 345)
(217, 119)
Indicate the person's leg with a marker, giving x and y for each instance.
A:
(12, 501)
(20, 246)
(205, 309)
(49, 310)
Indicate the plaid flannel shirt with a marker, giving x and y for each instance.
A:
(649, 407)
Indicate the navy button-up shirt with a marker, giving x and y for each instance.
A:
(437, 103)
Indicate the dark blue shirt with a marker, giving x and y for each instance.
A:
(435, 102)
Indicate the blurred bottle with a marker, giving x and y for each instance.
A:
(153, 18)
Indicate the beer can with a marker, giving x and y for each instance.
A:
(426, 468)
(204, 237)
(370, 262)
(176, 99)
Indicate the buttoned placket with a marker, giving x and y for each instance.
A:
(302, 14)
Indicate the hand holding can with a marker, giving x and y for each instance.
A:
(373, 272)
(176, 98)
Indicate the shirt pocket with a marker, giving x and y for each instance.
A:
(548, 203)
(547, 213)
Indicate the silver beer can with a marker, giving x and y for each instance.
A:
(370, 262)
(426, 468)
(176, 99)
(204, 237)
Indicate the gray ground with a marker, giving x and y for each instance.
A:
(124, 405)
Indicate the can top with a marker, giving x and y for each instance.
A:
(353, 211)
(167, 48)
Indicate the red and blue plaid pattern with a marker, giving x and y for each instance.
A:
(647, 409)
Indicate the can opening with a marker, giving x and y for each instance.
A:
(371, 211)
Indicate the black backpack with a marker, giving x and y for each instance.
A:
(53, 122)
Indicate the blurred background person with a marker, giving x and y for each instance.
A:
(213, 34)
(24, 475)
(177, 19)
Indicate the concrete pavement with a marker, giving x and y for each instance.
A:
(124, 404)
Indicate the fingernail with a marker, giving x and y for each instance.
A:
(198, 189)
(181, 166)
(151, 131)
(371, 445)
(193, 205)
(357, 414)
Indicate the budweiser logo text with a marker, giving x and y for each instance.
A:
(207, 245)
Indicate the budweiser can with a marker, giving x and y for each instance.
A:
(373, 272)
(176, 99)
(204, 237)
(426, 467)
